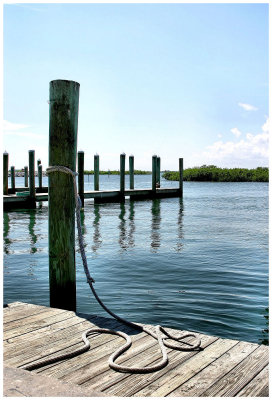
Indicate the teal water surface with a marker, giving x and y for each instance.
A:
(198, 264)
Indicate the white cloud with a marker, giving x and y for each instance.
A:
(253, 151)
(247, 107)
(265, 126)
(13, 129)
(236, 132)
(10, 126)
(219, 135)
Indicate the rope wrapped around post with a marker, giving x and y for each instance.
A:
(161, 335)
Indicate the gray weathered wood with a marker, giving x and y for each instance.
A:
(80, 170)
(225, 367)
(26, 176)
(232, 382)
(36, 324)
(195, 386)
(258, 387)
(5, 172)
(136, 384)
(40, 175)
(12, 179)
(181, 175)
(158, 172)
(96, 172)
(63, 124)
(32, 191)
(154, 173)
(131, 172)
(122, 176)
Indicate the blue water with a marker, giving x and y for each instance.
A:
(198, 264)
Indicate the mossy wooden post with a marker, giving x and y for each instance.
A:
(12, 179)
(131, 172)
(154, 173)
(158, 172)
(63, 123)
(96, 172)
(181, 176)
(26, 176)
(122, 176)
(80, 170)
(31, 165)
(40, 175)
(5, 172)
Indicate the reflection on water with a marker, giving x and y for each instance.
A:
(131, 225)
(33, 236)
(6, 238)
(179, 244)
(122, 228)
(126, 227)
(97, 241)
(82, 221)
(155, 224)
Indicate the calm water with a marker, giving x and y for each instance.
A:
(199, 264)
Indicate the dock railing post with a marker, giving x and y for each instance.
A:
(40, 175)
(181, 176)
(131, 172)
(122, 176)
(5, 173)
(63, 124)
(96, 172)
(12, 179)
(154, 173)
(31, 162)
(80, 170)
(26, 176)
(158, 172)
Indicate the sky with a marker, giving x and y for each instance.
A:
(176, 80)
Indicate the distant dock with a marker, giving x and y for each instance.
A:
(12, 201)
(225, 367)
(27, 196)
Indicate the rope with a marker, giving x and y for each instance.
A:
(161, 335)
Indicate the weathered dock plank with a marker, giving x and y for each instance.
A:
(224, 368)
(240, 375)
(257, 387)
(195, 386)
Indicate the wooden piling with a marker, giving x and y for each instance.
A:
(12, 179)
(38, 163)
(122, 175)
(131, 172)
(5, 172)
(26, 176)
(158, 172)
(31, 165)
(96, 172)
(181, 175)
(80, 170)
(154, 173)
(40, 176)
(63, 124)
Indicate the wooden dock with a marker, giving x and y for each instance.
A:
(101, 196)
(224, 368)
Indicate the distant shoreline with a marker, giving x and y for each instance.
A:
(211, 173)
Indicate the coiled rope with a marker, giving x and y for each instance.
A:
(161, 335)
